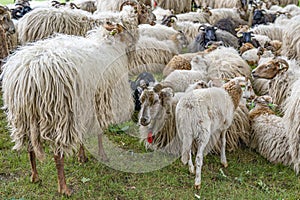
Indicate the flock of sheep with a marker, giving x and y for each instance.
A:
(67, 67)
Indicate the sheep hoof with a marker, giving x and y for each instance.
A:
(225, 164)
(82, 159)
(65, 191)
(192, 170)
(34, 178)
(198, 187)
(104, 158)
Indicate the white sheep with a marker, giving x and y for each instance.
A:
(178, 6)
(290, 42)
(292, 120)
(269, 134)
(55, 90)
(201, 117)
(41, 23)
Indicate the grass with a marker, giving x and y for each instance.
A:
(249, 176)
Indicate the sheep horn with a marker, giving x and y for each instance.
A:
(284, 62)
(201, 26)
(73, 5)
(125, 3)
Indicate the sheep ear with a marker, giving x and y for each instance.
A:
(157, 87)
(282, 64)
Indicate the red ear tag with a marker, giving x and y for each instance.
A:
(154, 4)
(150, 137)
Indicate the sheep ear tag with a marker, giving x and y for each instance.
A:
(150, 137)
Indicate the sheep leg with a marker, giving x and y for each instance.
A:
(81, 155)
(191, 165)
(223, 149)
(102, 154)
(199, 159)
(34, 174)
(186, 147)
(62, 186)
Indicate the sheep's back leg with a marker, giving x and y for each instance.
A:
(62, 186)
(202, 141)
(81, 155)
(102, 153)
(223, 149)
(34, 174)
(191, 165)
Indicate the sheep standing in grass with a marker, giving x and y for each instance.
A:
(201, 116)
(55, 90)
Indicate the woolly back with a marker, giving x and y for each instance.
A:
(290, 42)
(41, 23)
(234, 91)
(54, 83)
(292, 120)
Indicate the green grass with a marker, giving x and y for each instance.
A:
(249, 176)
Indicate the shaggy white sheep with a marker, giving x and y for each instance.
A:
(269, 136)
(201, 118)
(178, 6)
(41, 23)
(54, 89)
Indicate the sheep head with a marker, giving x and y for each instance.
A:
(209, 32)
(270, 69)
(169, 20)
(156, 107)
(245, 47)
(144, 13)
(234, 90)
(5, 20)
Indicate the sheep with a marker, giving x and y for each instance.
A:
(283, 74)
(221, 13)
(291, 118)
(273, 31)
(262, 17)
(89, 6)
(210, 33)
(195, 17)
(151, 55)
(196, 120)
(229, 24)
(209, 66)
(161, 33)
(67, 21)
(176, 63)
(178, 6)
(161, 133)
(9, 28)
(44, 22)
(143, 81)
(269, 134)
(226, 63)
(55, 90)
(290, 43)
(220, 4)
(3, 44)
(179, 80)
(183, 61)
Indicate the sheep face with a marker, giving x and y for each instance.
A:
(270, 69)
(156, 107)
(5, 20)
